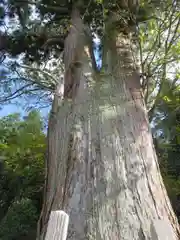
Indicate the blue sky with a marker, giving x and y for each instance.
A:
(6, 110)
(11, 108)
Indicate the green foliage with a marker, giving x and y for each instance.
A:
(159, 50)
(173, 189)
(22, 147)
(166, 130)
(167, 111)
(42, 39)
(20, 218)
(52, 19)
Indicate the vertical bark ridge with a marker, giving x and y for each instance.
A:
(58, 138)
(154, 180)
(60, 132)
(79, 152)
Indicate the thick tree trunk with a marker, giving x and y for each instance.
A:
(104, 171)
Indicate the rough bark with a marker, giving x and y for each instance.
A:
(104, 171)
(115, 190)
(73, 55)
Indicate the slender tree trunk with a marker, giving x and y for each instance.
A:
(104, 171)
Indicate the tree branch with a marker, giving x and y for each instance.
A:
(13, 95)
(39, 70)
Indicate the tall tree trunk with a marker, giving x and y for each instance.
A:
(104, 171)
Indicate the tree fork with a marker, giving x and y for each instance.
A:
(114, 189)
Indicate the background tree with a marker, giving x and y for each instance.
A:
(166, 133)
(22, 147)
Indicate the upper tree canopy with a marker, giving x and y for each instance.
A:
(39, 22)
(37, 30)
